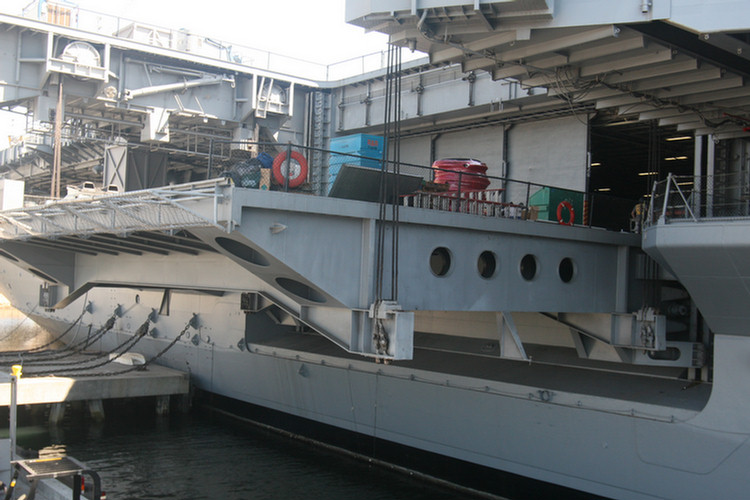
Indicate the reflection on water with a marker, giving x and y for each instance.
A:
(140, 456)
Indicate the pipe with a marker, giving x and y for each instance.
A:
(505, 160)
(433, 147)
(157, 89)
(114, 121)
(697, 171)
(710, 171)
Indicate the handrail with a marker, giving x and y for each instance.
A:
(688, 198)
(158, 209)
(185, 41)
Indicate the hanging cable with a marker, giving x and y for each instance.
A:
(396, 149)
(119, 350)
(41, 348)
(390, 165)
(192, 323)
(20, 323)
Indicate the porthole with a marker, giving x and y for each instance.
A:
(242, 251)
(528, 267)
(487, 264)
(440, 261)
(566, 270)
(300, 290)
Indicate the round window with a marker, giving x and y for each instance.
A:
(528, 267)
(566, 270)
(487, 264)
(440, 261)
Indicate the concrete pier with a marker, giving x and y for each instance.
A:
(97, 385)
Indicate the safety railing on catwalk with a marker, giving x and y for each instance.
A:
(356, 168)
(692, 199)
(69, 14)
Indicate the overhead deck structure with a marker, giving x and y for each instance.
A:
(682, 62)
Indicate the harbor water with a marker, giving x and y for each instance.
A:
(199, 456)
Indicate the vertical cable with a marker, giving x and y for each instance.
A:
(396, 172)
(382, 195)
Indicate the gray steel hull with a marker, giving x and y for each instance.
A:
(618, 449)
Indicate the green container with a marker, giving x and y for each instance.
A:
(547, 199)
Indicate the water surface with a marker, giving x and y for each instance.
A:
(192, 457)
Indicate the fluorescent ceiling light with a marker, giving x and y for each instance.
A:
(596, 164)
(642, 174)
(604, 190)
(680, 138)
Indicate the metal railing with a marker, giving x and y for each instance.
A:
(312, 171)
(504, 197)
(158, 209)
(688, 198)
(65, 14)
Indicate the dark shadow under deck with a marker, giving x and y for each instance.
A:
(607, 380)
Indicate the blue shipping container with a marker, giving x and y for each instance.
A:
(359, 144)
(353, 147)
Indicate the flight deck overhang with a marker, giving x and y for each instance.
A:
(492, 15)
(683, 63)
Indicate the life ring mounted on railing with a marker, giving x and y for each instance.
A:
(565, 204)
(297, 173)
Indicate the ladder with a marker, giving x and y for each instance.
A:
(264, 97)
(321, 133)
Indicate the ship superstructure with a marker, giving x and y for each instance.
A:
(577, 317)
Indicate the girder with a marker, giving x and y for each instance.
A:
(132, 89)
(608, 55)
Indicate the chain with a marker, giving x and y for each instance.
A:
(380, 337)
(41, 348)
(125, 346)
(19, 325)
(78, 347)
(193, 322)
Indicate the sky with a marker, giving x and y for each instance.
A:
(313, 30)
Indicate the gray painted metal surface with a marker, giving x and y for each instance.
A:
(483, 365)
(487, 420)
(710, 259)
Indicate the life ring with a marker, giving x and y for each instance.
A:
(297, 167)
(565, 204)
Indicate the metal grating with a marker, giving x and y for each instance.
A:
(50, 467)
(174, 207)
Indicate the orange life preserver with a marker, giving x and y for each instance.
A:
(565, 204)
(295, 177)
